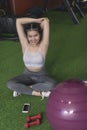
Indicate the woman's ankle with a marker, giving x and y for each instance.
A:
(36, 93)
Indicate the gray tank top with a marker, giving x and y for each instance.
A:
(36, 60)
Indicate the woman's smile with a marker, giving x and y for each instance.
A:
(33, 37)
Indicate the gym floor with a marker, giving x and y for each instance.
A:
(66, 59)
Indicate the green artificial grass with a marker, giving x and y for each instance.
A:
(66, 59)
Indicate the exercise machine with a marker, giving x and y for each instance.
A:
(70, 5)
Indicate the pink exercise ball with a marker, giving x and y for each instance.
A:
(66, 107)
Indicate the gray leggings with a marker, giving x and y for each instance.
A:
(38, 80)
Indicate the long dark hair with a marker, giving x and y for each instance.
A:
(33, 26)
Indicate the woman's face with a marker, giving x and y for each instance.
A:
(33, 37)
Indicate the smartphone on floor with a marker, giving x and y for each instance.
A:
(26, 108)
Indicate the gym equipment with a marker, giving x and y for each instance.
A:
(8, 28)
(70, 6)
(83, 5)
(31, 118)
(66, 107)
(36, 122)
(73, 4)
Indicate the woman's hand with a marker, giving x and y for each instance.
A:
(42, 21)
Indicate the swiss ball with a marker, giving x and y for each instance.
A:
(66, 107)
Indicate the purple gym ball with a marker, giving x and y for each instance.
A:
(66, 107)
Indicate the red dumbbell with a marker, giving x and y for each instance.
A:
(36, 122)
(29, 118)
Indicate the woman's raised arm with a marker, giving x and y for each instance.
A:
(45, 39)
(20, 30)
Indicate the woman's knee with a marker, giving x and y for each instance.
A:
(10, 84)
(51, 85)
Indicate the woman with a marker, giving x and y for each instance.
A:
(34, 38)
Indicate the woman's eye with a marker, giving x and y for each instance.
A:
(29, 36)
